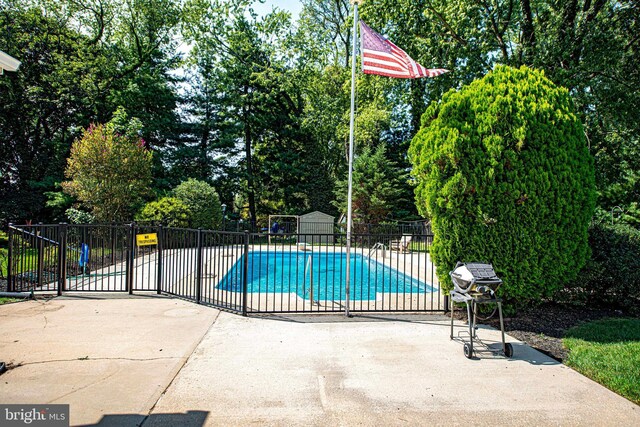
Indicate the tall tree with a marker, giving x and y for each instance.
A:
(589, 46)
(254, 100)
(376, 187)
(109, 169)
(41, 109)
(327, 24)
(80, 60)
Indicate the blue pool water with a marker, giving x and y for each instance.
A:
(276, 272)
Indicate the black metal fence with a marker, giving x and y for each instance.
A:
(417, 228)
(237, 271)
(65, 257)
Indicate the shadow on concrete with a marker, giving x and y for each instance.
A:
(418, 318)
(112, 295)
(488, 349)
(188, 419)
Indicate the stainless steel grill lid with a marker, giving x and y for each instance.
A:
(469, 277)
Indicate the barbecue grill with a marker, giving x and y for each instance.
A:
(474, 284)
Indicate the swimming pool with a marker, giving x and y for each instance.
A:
(282, 272)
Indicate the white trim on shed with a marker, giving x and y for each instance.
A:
(8, 63)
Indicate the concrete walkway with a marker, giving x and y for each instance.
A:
(102, 354)
(114, 360)
(371, 372)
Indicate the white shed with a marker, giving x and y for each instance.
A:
(316, 227)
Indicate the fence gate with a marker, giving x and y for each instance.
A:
(85, 258)
(236, 271)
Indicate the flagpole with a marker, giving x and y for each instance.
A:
(351, 141)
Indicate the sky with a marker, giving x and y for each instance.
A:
(293, 6)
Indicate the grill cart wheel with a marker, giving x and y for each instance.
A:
(468, 351)
(508, 349)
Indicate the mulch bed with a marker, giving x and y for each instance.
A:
(544, 327)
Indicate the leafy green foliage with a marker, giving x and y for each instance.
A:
(326, 27)
(202, 202)
(57, 203)
(262, 110)
(4, 259)
(168, 211)
(39, 110)
(77, 216)
(109, 171)
(375, 187)
(612, 274)
(589, 47)
(504, 172)
(79, 61)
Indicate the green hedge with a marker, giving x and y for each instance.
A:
(612, 274)
(168, 211)
(203, 202)
(504, 172)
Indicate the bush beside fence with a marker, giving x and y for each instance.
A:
(612, 274)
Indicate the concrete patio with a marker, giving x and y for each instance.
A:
(158, 361)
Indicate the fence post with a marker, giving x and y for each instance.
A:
(245, 276)
(159, 261)
(62, 258)
(199, 267)
(40, 271)
(130, 258)
(10, 281)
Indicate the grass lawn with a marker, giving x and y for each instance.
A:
(29, 259)
(27, 262)
(4, 254)
(608, 351)
(6, 300)
(419, 246)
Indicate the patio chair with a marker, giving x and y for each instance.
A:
(402, 245)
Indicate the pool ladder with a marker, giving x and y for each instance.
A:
(378, 245)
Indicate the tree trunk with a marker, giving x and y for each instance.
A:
(247, 148)
(528, 32)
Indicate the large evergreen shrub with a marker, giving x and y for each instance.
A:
(205, 210)
(168, 211)
(504, 172)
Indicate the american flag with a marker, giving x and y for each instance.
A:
(380, 56)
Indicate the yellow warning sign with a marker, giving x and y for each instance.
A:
(146, 239)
